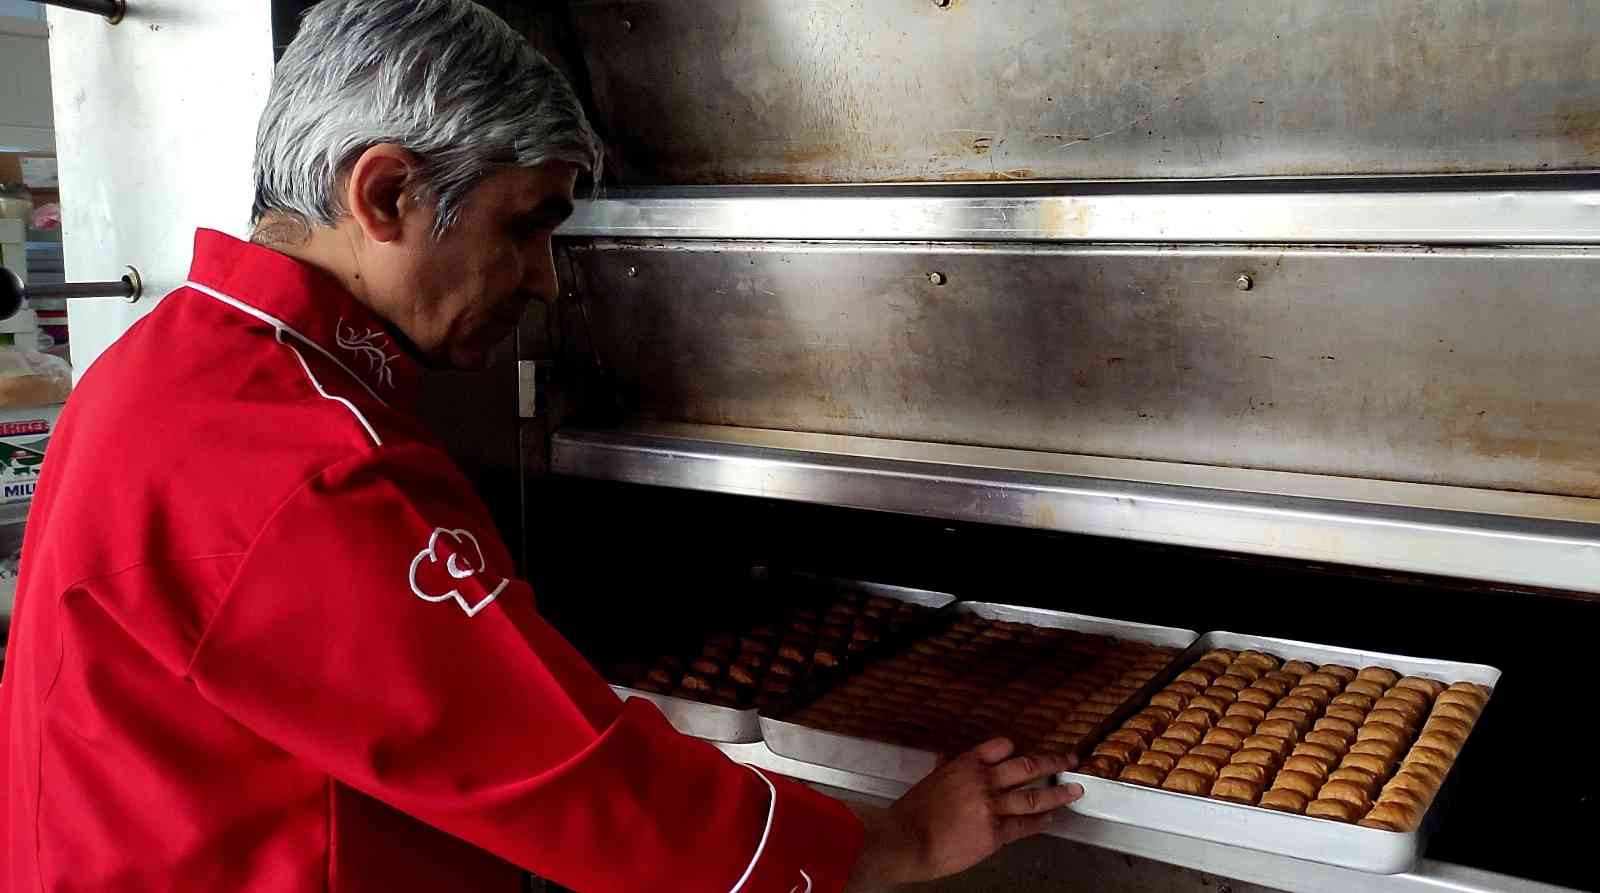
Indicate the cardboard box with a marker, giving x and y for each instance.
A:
(24, 434)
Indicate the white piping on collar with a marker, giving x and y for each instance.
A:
(285, 328)
(772, 808)
(376, 440)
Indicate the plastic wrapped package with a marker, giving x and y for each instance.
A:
(31, 378)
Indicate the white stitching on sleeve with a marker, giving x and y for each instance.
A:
(772, 808)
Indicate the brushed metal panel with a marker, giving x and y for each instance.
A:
(761, 91)
(1057, 214)
(1447, 366)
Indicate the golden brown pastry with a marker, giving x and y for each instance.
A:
(1224, 738)
(1337, 810)
(1199, 765)
(1255, 756)
(1200, 719)
(1259, 659)
(1390, 817)
(1429, 687)
(1256, 696)
(1230, 682)
(1456, 712)
(1324, 755)
(1300, 719)
(1187, 689)
(1279, 728)
(1273, 687)
(1214, 752)
(1284, 800)
(1209, 704)
(1307, 765)
(1366, 688)
(1316, 695)
(1170, 699)
(1196, 676)
(1222, 693)
(1293, 701)
(1299, 782)
(1121, 750)
(1471, 689)
(1439, 742)
(1298, 667)
(1245, 671)
(1383, 750)
(1366, 762)
(1352, 699)
(1412, 782)
(1344, 728)
(1344, 673)
(1212, 667)
(1185, 782)
(1165, 762)
(1175, 746)
(1146, 724)
(1234, 723)
(1253, 712)
(1288, 679)
(1324, 680)
(1140, 774)
(1453, 728)
(1327, 738)
(1381, 675)
(1278, 746)
(1351, 793)
(1235, 790)
(1419, 701)
(1101, 767)
(1358, 777)
(1256, 775)
(1346, 713)
(1381, 732)
(1131, 736)
(1222, 655)
(1404, 798)
(1469, 703)
(1427, 756)
(1391, 718)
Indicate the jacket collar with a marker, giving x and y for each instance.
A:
(308, 305)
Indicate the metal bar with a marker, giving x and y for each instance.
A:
(1468, 217)
(1517, 539)
(112, 10)
(13, 292)
(1278, 872)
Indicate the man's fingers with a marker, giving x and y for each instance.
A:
(1016, 827)
(993, 751)
(1028, 768)
(1032, 801)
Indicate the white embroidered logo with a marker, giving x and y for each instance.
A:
(463, 559)
(797, 888)
(367, 344)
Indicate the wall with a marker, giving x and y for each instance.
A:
(24, 82)
(147, 159)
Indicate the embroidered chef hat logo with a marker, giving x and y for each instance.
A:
(452, 567)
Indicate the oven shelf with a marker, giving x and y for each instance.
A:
(1520, 539)
(1277, 872)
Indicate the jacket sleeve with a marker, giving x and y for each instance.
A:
(374, 630)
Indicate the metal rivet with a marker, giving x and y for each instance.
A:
(936, 277)
(1244, 282)
(627, 25)
(633, 272)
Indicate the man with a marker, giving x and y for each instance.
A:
(266, 637)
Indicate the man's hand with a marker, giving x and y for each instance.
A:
(959, 815)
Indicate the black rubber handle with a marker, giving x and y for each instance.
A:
(11, 294)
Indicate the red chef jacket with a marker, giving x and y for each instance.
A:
(266, 638)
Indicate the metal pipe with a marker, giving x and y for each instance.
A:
(13, 293)
(113, 10)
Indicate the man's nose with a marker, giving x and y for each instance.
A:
(541, 281)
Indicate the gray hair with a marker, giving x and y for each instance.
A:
(445, 79)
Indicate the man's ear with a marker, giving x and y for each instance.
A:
(376, 194)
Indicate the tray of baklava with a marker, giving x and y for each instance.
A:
(1328, 754)
(795, 633)
(1049, 680)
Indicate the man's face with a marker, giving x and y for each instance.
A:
(466, 291)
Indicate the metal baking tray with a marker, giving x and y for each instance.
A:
(908, 764)
(1285, 834)
(732, 725)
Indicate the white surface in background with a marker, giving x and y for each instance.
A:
(24, 83)
(155, 122)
